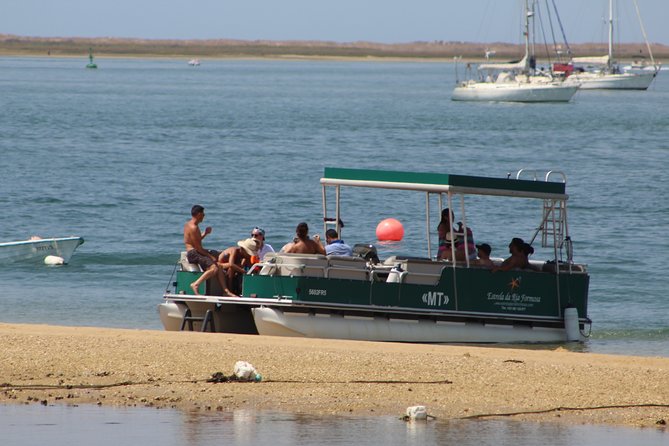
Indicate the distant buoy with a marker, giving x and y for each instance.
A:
(390, 230)
(54, 260)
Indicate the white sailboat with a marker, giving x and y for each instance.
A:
(609, 75)
(515, 82)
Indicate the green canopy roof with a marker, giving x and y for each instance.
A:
(442, 183)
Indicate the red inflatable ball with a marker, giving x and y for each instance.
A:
(390, 230)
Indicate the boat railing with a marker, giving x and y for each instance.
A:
(537, 175)
(553, 227)
(314, 265)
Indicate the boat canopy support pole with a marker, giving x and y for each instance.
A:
(557, 262)
(427, 225)
(464, 226)
(325, 210)
(337, 212)
(449, 199)
(336, 221)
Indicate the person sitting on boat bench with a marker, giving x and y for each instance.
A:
(444, 250)
(234, 260)
(462, 249)
(259, 234)
(446, 233)
(483, 260)
(195, 253)
(448, 237)
(528, 250)
(305, 245)
(335, 246)
(518, 259)
(446, 223)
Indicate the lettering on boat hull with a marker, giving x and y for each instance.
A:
(435, 299)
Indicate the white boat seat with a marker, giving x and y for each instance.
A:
(307, 265)
(421, 271)
(297, 255)
(424, 266)
(347, 267)
(187, 266)
(421, 278)
(270, 256)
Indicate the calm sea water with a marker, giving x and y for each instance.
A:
(62, 425)
(118, 155)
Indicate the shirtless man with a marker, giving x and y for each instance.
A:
(303, 244)
(518, 259)
(195, 253)
(483, 251)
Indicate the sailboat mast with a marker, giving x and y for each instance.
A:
(610, 33)
(528, 14)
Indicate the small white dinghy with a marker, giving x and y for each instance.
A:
(52, 251)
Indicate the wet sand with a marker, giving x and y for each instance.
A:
(41, 364)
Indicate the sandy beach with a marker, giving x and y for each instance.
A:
(42, 364)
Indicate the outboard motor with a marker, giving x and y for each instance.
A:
(367, 252)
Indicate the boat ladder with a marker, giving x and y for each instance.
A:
(554, 217)
(207, 321)
(553, 222)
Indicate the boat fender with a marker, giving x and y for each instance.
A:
(54, 260)
(571, 324)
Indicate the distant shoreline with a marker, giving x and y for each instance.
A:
(11, 45)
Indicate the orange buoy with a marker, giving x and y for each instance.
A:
(390, 229)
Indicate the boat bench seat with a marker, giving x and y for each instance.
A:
(423, 272)
(347, 267)
(306, 265)
(549, 267)
(187, 266)
(424, 266)
(315, 265)
(419, 270)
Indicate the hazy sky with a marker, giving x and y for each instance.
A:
(387, 21)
